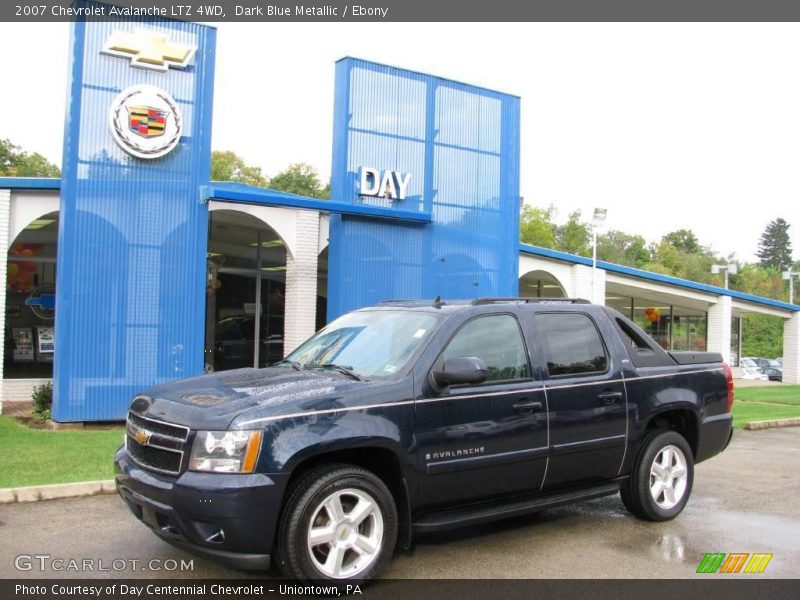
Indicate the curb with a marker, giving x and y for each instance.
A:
(773, 423)
(57, 491)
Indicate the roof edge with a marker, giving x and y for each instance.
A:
(30, 183)
(656, 277)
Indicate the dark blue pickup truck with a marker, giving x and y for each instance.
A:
(411, 417)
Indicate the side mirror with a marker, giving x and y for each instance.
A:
(460, 370)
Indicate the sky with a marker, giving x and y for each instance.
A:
(667, 126)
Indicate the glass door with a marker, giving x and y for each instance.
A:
(246, 266)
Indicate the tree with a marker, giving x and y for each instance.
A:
(697, 267)
(755, 279)
(667, 256)
(536, 226)
(775, 247)
(762, 335)
(684, 240)
(15, 162)
(573, 236)
(622, 248)
(302, 179)
(229, 166)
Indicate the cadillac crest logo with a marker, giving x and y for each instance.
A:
(145, 121)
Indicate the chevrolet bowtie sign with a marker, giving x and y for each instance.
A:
(148, 49)
(389, 184)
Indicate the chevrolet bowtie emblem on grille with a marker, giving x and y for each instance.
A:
(149, 49)
(142, 437)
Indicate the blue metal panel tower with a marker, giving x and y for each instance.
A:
(460, 146)
(132, 237)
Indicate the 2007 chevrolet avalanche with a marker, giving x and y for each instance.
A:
(415, 416)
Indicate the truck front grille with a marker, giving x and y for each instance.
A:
(156, 445)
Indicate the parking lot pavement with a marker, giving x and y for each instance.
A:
(744, 500)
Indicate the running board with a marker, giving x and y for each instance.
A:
(458, 517)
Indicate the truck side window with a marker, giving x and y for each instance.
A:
(571, 344)
(497, 340)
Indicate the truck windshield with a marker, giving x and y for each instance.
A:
(366, 343)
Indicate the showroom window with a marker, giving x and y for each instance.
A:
(673, 327)
(245, 292)
(30, 301)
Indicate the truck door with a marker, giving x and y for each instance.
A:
(586, 399)
(488, 439)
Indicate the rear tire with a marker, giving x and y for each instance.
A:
(339, 524)
(661, 482)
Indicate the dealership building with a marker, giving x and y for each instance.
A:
(133, 269)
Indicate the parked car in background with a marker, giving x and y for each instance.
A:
(773, 373)
(761, 363)
(753, 374)
(748, 363)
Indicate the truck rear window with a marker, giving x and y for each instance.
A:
(571, 344)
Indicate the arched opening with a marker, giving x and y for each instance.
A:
(540, 284)
(245, 292)
(30, 301)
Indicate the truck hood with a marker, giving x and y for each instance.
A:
(213, 401)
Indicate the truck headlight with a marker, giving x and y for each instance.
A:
(225, 451)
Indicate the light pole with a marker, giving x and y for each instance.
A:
(598, 219)
(790, 275)
(729, 269)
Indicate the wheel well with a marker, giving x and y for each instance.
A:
(680, 421)
(380, 461)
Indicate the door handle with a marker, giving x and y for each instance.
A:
(610, 397)
(527, 407)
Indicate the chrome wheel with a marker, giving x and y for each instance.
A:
(668, 477)
(345, 533)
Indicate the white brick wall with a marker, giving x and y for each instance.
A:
(21, 389)
(719, 327)
(582, 284)
(5, 219)
(791, 349)
(301, 283)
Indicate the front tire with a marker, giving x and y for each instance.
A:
(339, 523)
(661, 481)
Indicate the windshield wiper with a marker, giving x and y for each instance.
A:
(342, 369)
(292, 363)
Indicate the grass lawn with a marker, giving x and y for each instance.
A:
(743, 412)
(777, 394)
(38, 457)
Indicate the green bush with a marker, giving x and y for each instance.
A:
(42, 401)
